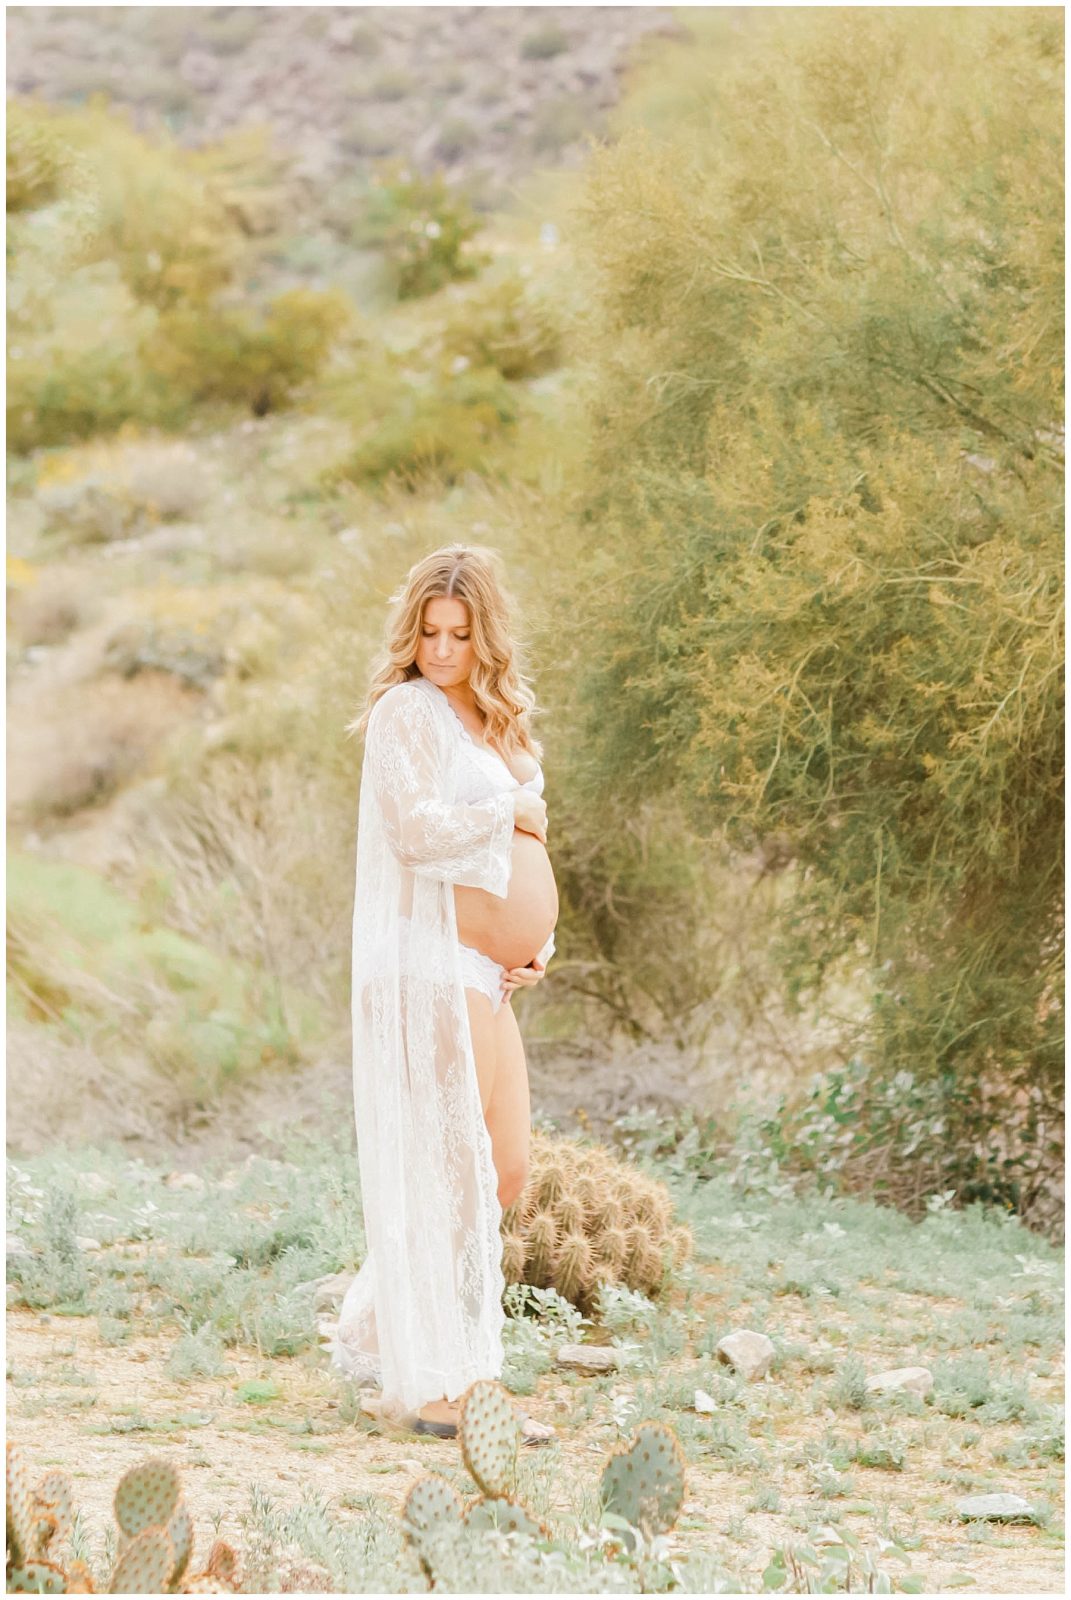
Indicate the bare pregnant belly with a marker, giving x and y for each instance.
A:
(512, 930)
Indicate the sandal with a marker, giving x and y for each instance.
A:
(443, 1430)
(532, 1431)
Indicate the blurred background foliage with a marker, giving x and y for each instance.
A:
(818, 536)
(767, 424)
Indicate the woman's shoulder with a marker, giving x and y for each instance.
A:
(404, 703)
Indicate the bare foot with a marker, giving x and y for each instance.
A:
(440, 1411)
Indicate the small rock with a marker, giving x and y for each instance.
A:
(996, 1508)
(85, 1243)
(588, 1357)
(185, 1180)
(95, 1182)
(705, 1402)
(917, 1379)
(747, 1352)
(328, 1293)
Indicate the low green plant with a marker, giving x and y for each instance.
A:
(423, 227)
(260, 358)
(505, 325)
(437, 430)
(544, 43)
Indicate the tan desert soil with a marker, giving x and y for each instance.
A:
(297, 1444)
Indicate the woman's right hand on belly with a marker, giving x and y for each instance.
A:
(530, 813)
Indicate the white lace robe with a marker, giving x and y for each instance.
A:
(424, 1316)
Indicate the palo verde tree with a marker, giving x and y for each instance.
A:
(819, 532)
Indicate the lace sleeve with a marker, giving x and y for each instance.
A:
(465, 844)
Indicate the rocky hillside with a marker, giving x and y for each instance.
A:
(486, 93)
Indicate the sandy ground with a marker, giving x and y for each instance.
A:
(122, 1407)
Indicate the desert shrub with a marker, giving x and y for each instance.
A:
(76, 372)
(442, 429)
(234, 352)
(853, 1130)
(84, 750)
(119, 252)
(560, 122)
(47, 609)
(393, 84)
(544, 42)
(455, 137)
(838, 626)
(423, 228)
(112, 489)
(505, 324)
(161, 224)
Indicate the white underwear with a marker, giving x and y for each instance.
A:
(480, 971)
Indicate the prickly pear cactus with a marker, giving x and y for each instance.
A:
(504, 1513)
(148, 1496)
(36, 1577)
(430, 1505)
(145, 1564)
(53, 1496)
(20, 1508)
(180, 1532)
(489, 1435)
(38, 1521)
(155, 1538)
(644, 1482)
(222, 1563)
(586, 1217)
(429, 1502)
(79, 1578)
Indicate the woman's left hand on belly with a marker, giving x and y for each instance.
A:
(522, 977)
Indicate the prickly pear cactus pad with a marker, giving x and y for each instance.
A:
(644, 1482)
(36, 1577)
(180, 1532)
(489, 1435)
(222, 1563)
(431, 1505)
(21, 1507)
(430, 1502)
(505, 1514)
(147, 1496)
(145, 1565)
(53, 1496)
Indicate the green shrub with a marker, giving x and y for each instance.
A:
(423, 228)
(505, 325)
(560, 122)
(441, 429)
(838, 626)
(232, 352)
(547, 41)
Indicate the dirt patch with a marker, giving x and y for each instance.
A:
(92, 1409)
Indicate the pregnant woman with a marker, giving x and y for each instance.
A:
(454, 909)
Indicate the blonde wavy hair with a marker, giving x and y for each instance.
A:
(473, 574)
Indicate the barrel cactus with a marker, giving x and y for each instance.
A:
(585, 1217)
